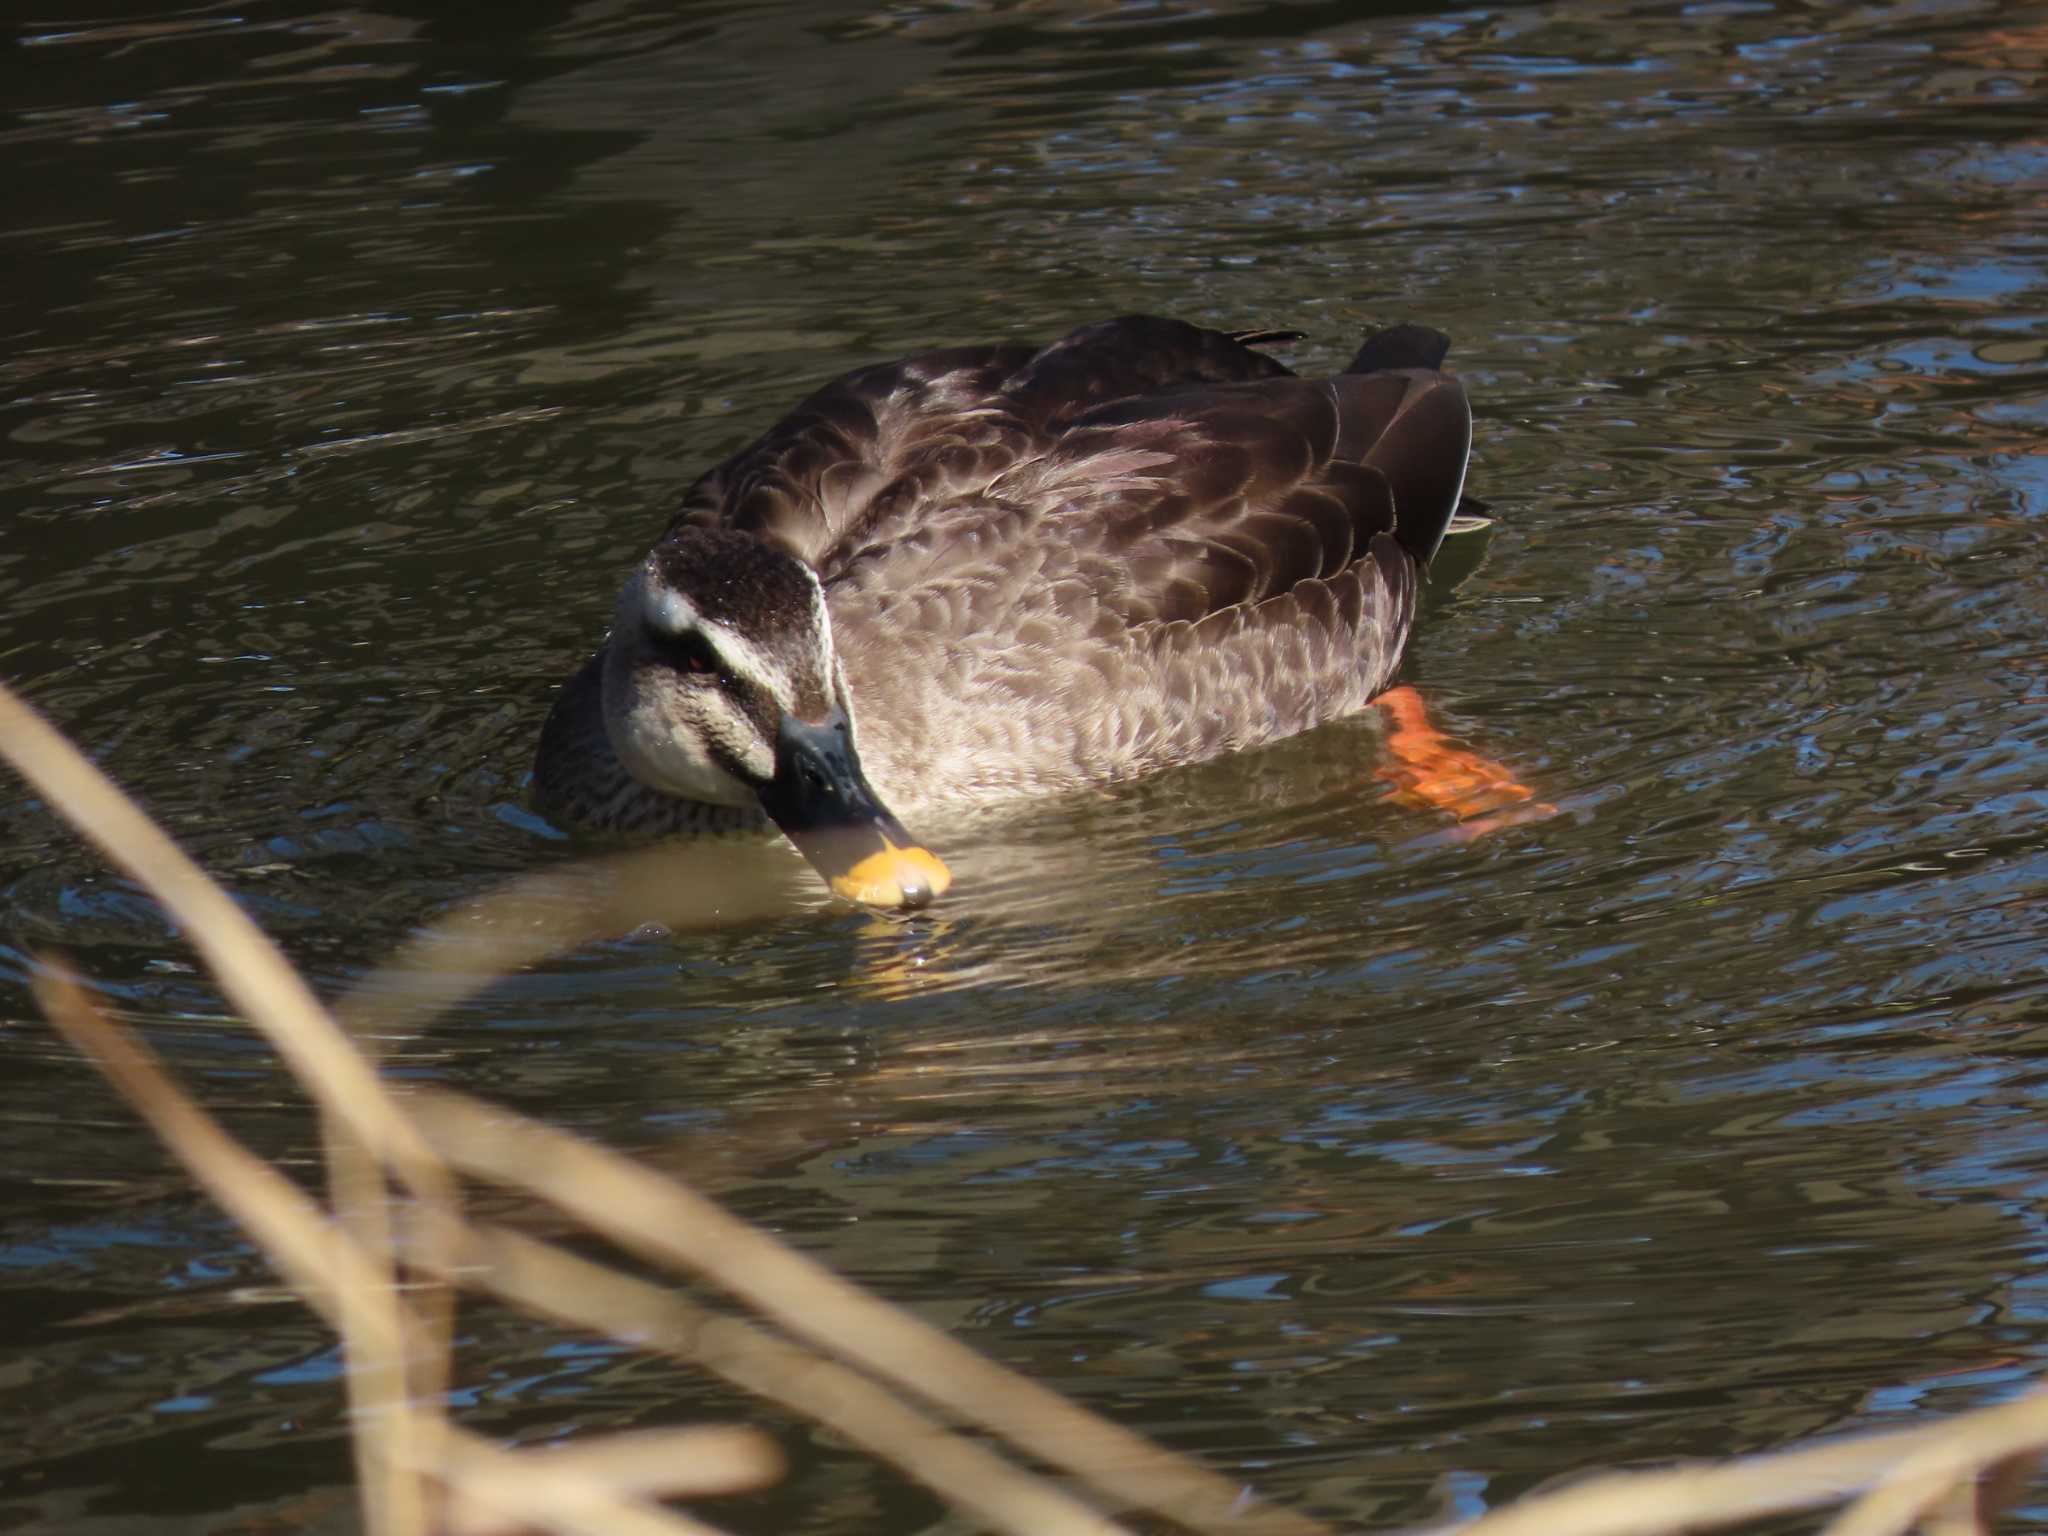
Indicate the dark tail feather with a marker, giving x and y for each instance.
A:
(1401, 346)
(1422, 453)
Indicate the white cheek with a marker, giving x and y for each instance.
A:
(662, 737)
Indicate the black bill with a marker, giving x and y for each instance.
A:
(822, 802)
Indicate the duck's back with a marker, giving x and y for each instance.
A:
(1145, 544)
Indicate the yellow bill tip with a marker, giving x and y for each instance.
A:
(896, 877)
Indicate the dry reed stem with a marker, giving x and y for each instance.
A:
(382, 1386)
(353, 1293)
(664, 1221)
(649, 1463)
(535, 917)
(254, 974)
(350, 1290)
(260, 982)
(1951, 1477)
(568, 1500)
(1958, 1514)
(1936, 1484)
(546, 1279)
(1780, 1482)
(361, 1196)
(2001, 1485)
(1895, 1506)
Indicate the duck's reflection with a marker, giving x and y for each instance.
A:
(1201, 872)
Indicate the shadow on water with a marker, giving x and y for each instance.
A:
(352, 358)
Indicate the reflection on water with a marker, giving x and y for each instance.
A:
(353, 356)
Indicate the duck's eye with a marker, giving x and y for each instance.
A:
(689, 652)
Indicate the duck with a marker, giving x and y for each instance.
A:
(1016, 569)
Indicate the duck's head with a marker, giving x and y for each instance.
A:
(721, 684)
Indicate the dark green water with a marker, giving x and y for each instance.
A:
(350, 357)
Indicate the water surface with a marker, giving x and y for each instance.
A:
(353, 356)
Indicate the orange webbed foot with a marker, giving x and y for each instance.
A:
(1428, 771)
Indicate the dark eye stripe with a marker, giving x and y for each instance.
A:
(688, 652)
(693, 655)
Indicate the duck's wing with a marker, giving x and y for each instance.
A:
(1191, 503)
(814, 475)
(1178, 505)
(1180, 574)
(868, 457)
(1132, 357)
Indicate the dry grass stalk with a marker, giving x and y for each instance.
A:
(1944, 1480)
(387, 1372)
(2000, 1486)
(1927, 1502)
(353, 1292)
(545, 1279)
(366, 1132)
(652, 1463)
(524, 1493)
(1953, 1485)
(259, 982)
(1906, 1472)
(530, 919)
(675, 1226)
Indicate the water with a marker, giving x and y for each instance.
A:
(352, 356)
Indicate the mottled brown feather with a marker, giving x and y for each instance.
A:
(1145, 543)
